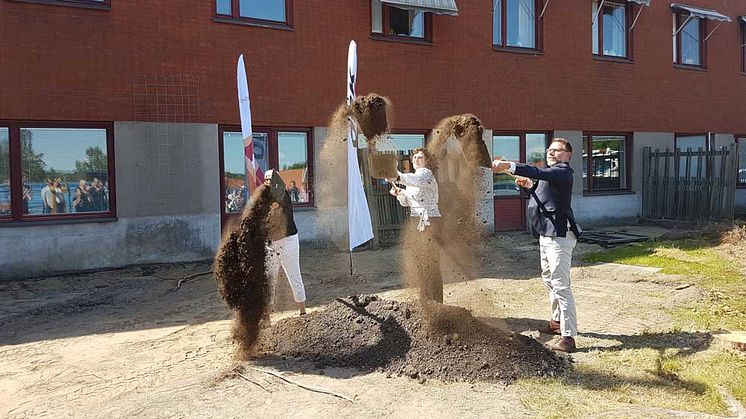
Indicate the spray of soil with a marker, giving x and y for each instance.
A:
(459, 152)
(240, 270)
(370, 333)
(370, 114)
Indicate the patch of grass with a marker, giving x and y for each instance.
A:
(697, 262)
(641, 377)
(695, 258)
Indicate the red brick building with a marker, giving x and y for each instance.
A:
(150, 88)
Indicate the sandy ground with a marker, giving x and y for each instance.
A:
(129, 343)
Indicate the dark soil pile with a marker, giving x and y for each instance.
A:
(369, 333)
(240, 270)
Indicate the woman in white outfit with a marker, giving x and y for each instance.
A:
(283, 248)
(423, 246)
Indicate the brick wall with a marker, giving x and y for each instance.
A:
(64, 63)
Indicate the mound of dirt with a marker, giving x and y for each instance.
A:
(370, 333)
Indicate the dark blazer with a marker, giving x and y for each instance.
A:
(554, 190)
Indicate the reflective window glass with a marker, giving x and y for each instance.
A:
(497, 29)
(507, 147)
(263, 9)
(690, 41)
(608, 163)
(520, 23)
(292, 153)
(65, 170)
(234, 163)
(224, 7)
(535, 149)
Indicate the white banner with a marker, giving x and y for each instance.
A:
(254, 173)
(358, 213)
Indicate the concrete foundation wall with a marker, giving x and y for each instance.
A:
(44, 250)
(168, 208)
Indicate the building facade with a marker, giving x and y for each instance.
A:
(119, 128)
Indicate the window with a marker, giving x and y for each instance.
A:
(695, 142)
(271, 12)
(288, 151)
(91, 4)
(606, 162)
(523, 147)
(390, 21)
(740, 139)
(56, 171)
(688, 47)
(611, 33)
(515, 23)
(400, 142)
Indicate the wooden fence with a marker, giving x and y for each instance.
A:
(387, 215)
(689, 185)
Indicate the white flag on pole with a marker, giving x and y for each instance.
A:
(358, 213)
(254, 173)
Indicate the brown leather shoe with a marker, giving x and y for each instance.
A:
(554, 327)
(565, 344)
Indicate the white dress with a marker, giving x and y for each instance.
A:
(421, 195)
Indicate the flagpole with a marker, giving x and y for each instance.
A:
(360, 228)
(351, 135)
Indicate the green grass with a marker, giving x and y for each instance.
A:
(677, 369)
(696, 262)
(642, 377)
(695, 258)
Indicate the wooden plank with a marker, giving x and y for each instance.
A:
(678, 196)
(656, 182)
(362, 155)
(645, 182)
(666, 204)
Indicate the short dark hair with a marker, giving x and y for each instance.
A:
(565, 144)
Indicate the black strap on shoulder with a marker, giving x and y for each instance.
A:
(547, 214)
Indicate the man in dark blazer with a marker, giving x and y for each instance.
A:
(553, 222)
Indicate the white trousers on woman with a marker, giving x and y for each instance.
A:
(286, 253)
(556, 256)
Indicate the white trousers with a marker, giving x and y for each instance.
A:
(286, 253)
(556, 256)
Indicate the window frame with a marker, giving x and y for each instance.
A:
(548, 137)
(16, 174)
(84, 4)
(272, 157)
(538, 29)
(236, 18)
(679, 19)
(628, 13)
(587, 145)
(708, 145)
(386, 25)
